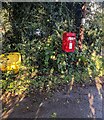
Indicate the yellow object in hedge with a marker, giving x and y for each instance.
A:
(10, 61)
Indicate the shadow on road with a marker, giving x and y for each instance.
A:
(82, 102)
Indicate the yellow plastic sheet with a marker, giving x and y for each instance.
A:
(10, 62)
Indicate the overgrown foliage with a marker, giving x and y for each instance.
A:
(35, 30)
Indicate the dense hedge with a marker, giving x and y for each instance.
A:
(43, 61)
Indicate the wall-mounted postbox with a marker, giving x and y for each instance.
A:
(68, 42)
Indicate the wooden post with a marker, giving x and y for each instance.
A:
(81, 31)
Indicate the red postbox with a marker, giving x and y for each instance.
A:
(68, 42)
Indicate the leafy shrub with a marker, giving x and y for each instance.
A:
(35, 30)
